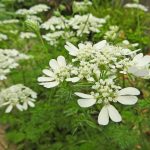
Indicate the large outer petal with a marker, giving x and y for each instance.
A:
(71, 48)
(129, 91)
(45, 79)
(86, 102)
(113, 113)
(82, 95)
(103, 117)
(61, 61)
(100, 44)
(54, 65)
(48, 73)
(127, 100)
(49, 84)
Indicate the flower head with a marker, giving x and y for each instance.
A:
(18, 96)
(56, 74)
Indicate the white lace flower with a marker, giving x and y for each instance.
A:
(33, 10)
(56, 74)
(112, 33)
(18, 96)
(34, 18)
(86, 24)
(84, 50)
(27, 35)
(140, 66)
(137, 6)
(52, 38)
(54, 23)
(3, 37)
(8, 60)
(81, 6)
(39, 8)
(10, 21)
(107, 92)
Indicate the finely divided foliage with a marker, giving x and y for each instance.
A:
(102, 65)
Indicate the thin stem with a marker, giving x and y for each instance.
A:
(40, 37)
(85, 24)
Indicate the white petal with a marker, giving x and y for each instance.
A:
(49, 84)
(145, 60)
(25, 106)
(71, 48)
(113, 113)
(138, 72)
(74, 79)
(31, 104)
(86, 102)
(19, 107)
(82, 95)
(100, 44)
(127, 100)
(45, 79)
(54, 65)
(129, 91)
(103, 117)
(48, 73)
(61, 61)
(138, 57)
(9, 109)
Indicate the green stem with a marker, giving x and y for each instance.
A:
(40, 37)
(85, 24)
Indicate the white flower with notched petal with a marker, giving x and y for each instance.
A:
(84, 50)
(141, 66)
(18, 96)
(58, 72)
(126, 96)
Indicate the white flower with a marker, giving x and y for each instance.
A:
(34, 18)
(8, 60)
(10, 21)
(18, 96)
(137, 6)
(33, 10)
(140, 66)
(23, 12)
(3, 37)
(86, 24)
(112, 33)
(56, 74)
(106, 95)
(52, 38)
(39, 8)
(84, 50)
(81, 6)
(27, 35)
(54, 23)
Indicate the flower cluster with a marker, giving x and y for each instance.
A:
(78, 24)
(86, 23)
(137, 6)
(100, 65)
(18, 96)
(33, 10)
(53, 38)
(81, 6)
(27, 35)
(112, 33)
(10, 21)
(3, 37)
(8, 60)
(54, 23)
